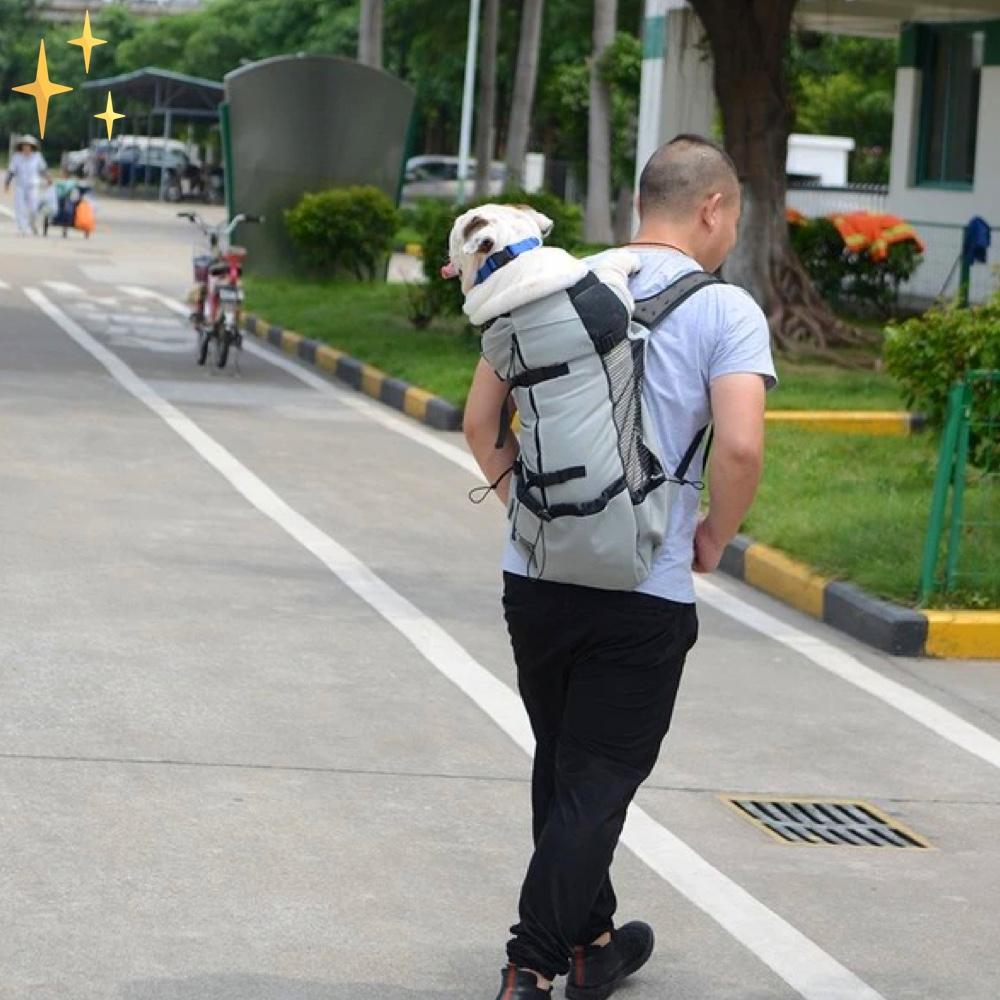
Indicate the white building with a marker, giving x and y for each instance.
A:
(945, 159)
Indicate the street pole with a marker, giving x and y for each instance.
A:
(465, 138)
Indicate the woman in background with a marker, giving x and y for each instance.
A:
(26, 168)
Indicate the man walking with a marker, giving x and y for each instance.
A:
(598, 670)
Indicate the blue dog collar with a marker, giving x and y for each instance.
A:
(497, 260)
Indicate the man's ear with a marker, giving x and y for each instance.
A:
(711, 208)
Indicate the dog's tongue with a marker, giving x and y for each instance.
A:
(449, 270)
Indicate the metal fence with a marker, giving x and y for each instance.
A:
(968, 474)
(938, 272)
(813, 200)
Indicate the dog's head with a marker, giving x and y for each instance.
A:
(482, 231)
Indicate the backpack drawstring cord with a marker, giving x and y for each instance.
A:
(479, 493)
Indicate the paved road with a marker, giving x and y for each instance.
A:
(258, 739)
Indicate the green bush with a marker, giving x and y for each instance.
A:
(343, 229)
(851, 280)
(434, 219)
(820, 248)
(927, 354)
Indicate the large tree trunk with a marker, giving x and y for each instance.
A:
(597, 220)
(486, 109)
(524, 93)
(370, 33)
(623, 214)
(749, 40)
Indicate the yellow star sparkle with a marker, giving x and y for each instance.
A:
(42, 88)
(87, 41)
(110, 116)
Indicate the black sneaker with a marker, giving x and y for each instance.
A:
(597, 972)
(519, 984)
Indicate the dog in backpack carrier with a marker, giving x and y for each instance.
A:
(589, 499)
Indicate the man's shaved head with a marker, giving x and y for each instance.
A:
(682, 174)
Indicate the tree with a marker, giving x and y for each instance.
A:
(486, 105)
(370, 33)
(749, 41)
(597, 220)
(524, 92)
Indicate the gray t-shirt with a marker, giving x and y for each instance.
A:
(719, 330)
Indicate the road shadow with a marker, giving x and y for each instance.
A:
(250, 987)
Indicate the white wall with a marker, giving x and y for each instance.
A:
(937, 204)
(938, 213)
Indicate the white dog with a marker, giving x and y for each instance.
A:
(497, 252)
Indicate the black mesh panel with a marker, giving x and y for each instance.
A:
(624, 367)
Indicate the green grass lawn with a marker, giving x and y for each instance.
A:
(819, 386)
(856, 507)
(369, 322)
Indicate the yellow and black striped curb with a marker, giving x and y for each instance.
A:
(884, 423)
(415, 402)
(959, 634)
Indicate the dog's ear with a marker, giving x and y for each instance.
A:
(543, 222)
(476, 241)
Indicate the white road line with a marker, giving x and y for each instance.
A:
(6, 211)
(823, 654)
(790, 954)
(841, 664)
(347, 397)
(3, 284)
(64, 287)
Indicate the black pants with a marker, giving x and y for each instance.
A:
(598, 672)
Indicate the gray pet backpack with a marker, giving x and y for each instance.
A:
(589, 498)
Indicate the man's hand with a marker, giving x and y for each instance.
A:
(707, 549)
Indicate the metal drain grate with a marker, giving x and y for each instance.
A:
(831, 823)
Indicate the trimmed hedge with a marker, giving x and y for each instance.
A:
(343, 229)
(851, 280)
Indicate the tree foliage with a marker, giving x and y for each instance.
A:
(845, 86)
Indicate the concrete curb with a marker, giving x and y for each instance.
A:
(887, 626)
(409, 399)
(883, 423)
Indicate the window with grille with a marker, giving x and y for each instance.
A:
(951, 62)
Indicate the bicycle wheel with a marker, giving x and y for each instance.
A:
(204, 336)
(222, 342)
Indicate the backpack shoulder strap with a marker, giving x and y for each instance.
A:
(650, 311)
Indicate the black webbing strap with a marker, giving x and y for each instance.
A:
(652, 310)
(548, 513)
(532, 376)
(525, 380)
(691, 452)
(546, 479)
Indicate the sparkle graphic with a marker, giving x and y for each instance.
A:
(87, 41)
(110, 116)
(42, 88)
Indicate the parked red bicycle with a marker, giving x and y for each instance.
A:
(218, 276)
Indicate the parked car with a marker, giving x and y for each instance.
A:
(433, 176)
